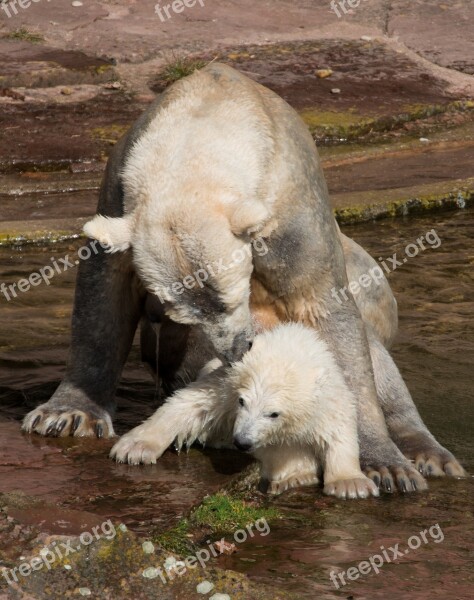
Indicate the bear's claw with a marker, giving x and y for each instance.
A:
(359, 487)
(402, 478)
(430, 458)
(65, 421)
(438, 465)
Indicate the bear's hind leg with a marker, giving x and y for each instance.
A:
(403, 420)
(287, 467)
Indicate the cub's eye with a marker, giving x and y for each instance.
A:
(241, 401)
(274, 415)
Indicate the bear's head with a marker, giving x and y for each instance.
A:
(197, 262)
(276, 388)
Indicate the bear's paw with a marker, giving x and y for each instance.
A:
(54, 420)
(359, 487)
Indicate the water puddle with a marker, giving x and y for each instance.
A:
(434, 351)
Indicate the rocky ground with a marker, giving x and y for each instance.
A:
(387, 90)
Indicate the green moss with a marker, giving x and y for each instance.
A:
(27, 36)
(453, 200)
(110, 133)
(328, 118)
(179, 68)
(176, 69)
(221, 513)
(349, 126)
(225, 513)
(175, 539)
(13, 238)
(103, 69)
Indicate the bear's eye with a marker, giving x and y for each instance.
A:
(274, 415)
(241, 401)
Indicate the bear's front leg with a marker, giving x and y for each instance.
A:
(286, 467)
(106, 311)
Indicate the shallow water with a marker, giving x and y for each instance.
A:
(434, 351)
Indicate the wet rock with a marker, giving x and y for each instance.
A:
(323, 73)
(204, 587)
(26, 65)
(148, 547)
(151, 573)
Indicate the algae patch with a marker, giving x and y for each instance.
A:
(217, 514)
(225, 513)
(110, 133)
(348, 126)
(23, 34)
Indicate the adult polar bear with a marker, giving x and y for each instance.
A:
(216, 161)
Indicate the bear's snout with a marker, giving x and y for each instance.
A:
(242, 444)
(241, 344)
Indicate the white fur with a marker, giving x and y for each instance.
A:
(197, 186)
(112, 232)
(288, 371)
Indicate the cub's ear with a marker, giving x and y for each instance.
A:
(115, 233)
(248, 218)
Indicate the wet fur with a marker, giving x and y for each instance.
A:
(285, 200)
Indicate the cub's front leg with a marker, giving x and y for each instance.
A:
(343, 476)
(190, 414)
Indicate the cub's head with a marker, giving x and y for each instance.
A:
(196, 262)
(276, 387)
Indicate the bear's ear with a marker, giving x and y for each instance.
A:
(249, 218)
(115, 233)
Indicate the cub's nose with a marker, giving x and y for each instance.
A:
(241, 444)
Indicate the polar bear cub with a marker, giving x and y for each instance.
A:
(285, 402)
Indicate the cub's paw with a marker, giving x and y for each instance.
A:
(61, 421)
(403, 478)
(359, 487)
(297, 480)
(136, 450)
